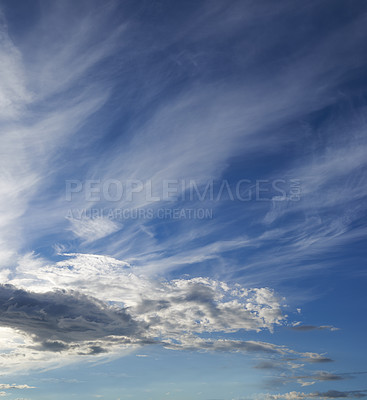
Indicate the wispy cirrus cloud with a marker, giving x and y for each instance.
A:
(32, 141)
(175, 123)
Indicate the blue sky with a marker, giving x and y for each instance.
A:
(183, 207)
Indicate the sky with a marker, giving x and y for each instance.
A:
(183, 199)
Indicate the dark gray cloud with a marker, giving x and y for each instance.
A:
(268, 365)
(305, 328)
(323, 376)
(320, 360)
(57, 319)
(53, 345)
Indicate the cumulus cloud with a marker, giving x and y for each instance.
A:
(55, 319)
(94, 305)
(192, 305)
(322, 376)
(14, 386)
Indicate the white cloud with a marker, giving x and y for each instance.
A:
(198, 304)
(304, 383)
(13, 93)
(91, 229)
(14, 386)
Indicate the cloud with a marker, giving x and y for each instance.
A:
(91, 229)
(311, 379)
(198, 304)
(323, 376)
(190, 342)
(95, 306)
(305, 328)
(269, 365)
(304, 383)
(130, 310)
(13, 93)
(287, 373)
(55, 319)
(43, 106)
(63, 74)
(14, 386)
(331, 394)
(316, 358)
